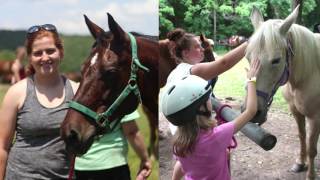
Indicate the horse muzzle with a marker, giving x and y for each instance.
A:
(260, 117)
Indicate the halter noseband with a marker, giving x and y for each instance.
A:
(283, 78)
(102, 119)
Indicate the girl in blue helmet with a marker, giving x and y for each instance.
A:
(199, 144)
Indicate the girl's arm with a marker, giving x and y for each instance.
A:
(251, 103)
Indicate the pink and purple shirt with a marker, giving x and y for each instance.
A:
(209, 159)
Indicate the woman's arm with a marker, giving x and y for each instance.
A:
(8, 113)
(132, 133)
(251, 105)
(212, 69)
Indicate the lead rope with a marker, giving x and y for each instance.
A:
(71, 170)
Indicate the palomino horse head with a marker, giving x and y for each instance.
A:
(109, 89)
(271, 45)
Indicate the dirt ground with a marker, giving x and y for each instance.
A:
(248, 160)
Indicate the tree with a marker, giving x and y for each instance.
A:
(232, 16)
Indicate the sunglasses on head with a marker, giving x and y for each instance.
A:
(36, 28)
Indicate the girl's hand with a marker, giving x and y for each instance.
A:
(254, 69)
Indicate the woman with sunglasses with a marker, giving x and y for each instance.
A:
(34, 108)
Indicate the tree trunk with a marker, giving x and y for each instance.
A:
(214, 26)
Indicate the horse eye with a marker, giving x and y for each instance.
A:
(275, 61)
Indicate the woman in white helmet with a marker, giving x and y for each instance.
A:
(199, 144)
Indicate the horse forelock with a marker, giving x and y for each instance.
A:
(266, 42)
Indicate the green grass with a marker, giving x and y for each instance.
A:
(134, 161)
(232, 84)
(6, 55)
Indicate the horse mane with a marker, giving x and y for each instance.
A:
(153, 38)
(267, 41)
(306, 47)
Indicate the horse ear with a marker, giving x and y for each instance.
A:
(256, 18)
(116, 29)
(202, 37)
(94, 29)
(289, 21)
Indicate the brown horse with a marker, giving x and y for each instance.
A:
(168, 62)
(5, 70)
(112, 66)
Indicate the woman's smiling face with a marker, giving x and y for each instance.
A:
(45, 56)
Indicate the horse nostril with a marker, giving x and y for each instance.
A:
(73, 136)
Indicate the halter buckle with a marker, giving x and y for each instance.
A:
(103, 121)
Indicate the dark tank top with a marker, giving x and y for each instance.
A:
(38, 151)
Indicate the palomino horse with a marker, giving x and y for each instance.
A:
(119, 68)
(289, 55)
(168, 62)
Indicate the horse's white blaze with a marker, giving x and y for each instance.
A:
(94, 59)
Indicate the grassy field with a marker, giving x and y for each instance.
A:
(134, 161)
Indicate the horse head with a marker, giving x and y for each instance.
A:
(105, 75)
(270, 44)
(207, 45)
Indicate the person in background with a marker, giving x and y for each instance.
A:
(17, 67)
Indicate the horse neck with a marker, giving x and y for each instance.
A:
(306, 58)
(148, 53)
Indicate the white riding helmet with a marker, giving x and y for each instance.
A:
(181, 99)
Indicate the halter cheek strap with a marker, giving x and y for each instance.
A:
(284, 77)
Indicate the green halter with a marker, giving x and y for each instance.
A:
(102, 119)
